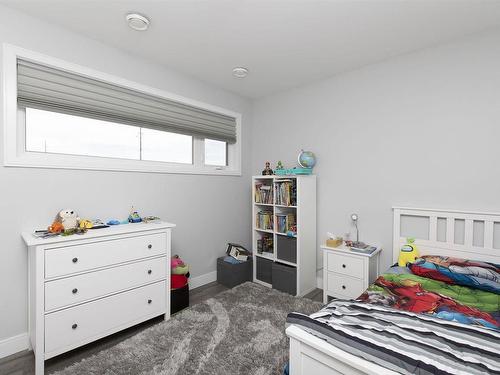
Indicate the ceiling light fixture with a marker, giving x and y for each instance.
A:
(137, 22)
(240, 72)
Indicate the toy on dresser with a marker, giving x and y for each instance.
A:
(66, 220)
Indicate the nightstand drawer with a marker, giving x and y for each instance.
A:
(345, 265)
(343, 286)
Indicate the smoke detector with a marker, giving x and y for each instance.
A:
(240, 72)
(137, 21)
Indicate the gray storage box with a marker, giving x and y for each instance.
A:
(264, 269)
(285, 278)
(231, 275)
(287, 249)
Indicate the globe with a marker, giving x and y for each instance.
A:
(307, 159)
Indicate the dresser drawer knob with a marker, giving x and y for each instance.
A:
(150, 246)
(75, 291)
(74, 326)
(343, 286)
(149, 301)
(343, 266)
(150, 272)
(75, 260)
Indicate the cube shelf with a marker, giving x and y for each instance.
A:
(287, 248)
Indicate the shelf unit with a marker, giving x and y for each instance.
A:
(293, 258)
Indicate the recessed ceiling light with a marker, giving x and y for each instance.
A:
(137, 21)
(240, 72)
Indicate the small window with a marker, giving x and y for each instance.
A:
(215, 152)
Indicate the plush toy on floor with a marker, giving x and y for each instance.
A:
(408, 253)
(179, 284)
(180, 272)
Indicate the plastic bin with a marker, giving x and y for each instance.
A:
(264, 269)
(284, 278)
(179, 299)
(287, 249)
(231, 275)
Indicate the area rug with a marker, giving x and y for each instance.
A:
(239, 331)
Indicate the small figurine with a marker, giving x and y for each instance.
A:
(267, 171)
(134, 216)
(279, 166)
(85, 224)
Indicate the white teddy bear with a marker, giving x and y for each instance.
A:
(68, 218)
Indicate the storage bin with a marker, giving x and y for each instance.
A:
(264, 269)
(287, 249)
(231, 275)
(179, 299)
(284, 278)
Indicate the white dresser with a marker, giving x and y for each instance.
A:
(85, 287)
(347, 274)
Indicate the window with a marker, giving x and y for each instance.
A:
(62, 115)
(215, 152)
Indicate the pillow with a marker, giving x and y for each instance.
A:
(474, 274)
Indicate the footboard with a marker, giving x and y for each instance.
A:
(312, 355)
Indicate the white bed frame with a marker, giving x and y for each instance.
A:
(310, 355)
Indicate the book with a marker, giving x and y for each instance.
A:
(286, 192)
(238, 254)
(285, 222)
(264, 220)
(364, 249)
(263, 193)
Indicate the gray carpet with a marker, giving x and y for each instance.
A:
(239, 331)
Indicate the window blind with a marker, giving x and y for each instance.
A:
(51, 89)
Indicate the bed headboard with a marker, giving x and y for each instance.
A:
(463, 234)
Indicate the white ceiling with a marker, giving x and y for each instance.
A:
(284, 43)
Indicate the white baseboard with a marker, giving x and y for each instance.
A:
(201, 280)
(14, 344)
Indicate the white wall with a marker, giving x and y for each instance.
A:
(421, 130)
(30, 198)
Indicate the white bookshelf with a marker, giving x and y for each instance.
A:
(305, 217)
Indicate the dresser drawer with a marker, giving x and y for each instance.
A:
(75, 326)
(345, 265)
(68, 260)
(344, 286)
(75, 289)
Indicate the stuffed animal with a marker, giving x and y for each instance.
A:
(85, 224)
(178, 266)
(408, 253)
(180, 273)
(56, 227)
(68, 218)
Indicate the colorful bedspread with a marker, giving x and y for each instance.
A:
(436, 287)
(437, 316)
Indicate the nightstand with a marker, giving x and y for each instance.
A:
(347, 274)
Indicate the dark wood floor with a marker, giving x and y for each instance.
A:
(23, 363)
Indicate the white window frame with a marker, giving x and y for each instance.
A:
(15, 154)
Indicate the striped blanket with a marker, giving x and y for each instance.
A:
(404, 341)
